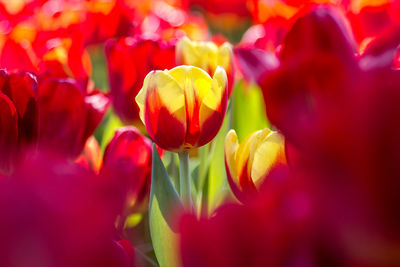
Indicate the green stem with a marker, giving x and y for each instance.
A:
(184, 179)
(203, 155)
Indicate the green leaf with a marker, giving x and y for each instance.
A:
(248, 110)
(105, 132)
(164, 206)
(99, 65)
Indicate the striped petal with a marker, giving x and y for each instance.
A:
(268, 152)
(162, 109)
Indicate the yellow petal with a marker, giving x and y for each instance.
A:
(199, 54)
(213, 97)
(231, 146)
(224, 56)
(141, 96)
(269, 150)
(168, 89)
(243, 153)
(256, 139)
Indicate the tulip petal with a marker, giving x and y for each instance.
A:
(168, 91)
(15, 57)
(231, 146)
(129, 156)
(265, 155)
(323, 31)
(211, 111)
(22, 90)
(62, 116)
(207, 56)
(162, 108)
(97, 104)
(199, 54)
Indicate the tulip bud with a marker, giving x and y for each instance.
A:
(248, 164)
(128, 158)
(183, 107)
(206, 55)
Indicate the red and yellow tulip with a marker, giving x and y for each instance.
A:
(247, 164)
(206, 55)
(183, 107)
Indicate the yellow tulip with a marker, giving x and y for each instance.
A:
(248, 164)
(206, 55)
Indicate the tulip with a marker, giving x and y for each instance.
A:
(206, 55)
(128, 158)
(249, 163)
(67, 116)
(184, 107)
(21, 88)
(18, 93)
(314, 69)
(129, 61)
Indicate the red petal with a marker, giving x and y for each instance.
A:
(15, 57)
(165, 130)
(62, 116)
(97, 104)
(128, 158)
(129, 61)
(22, 90)
(321, 32)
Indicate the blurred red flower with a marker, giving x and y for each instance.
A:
(340, 113)
(55, 214)
(278, 227)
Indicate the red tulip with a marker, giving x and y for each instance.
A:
(67, 117)
(128, 158)
(21, 88)
(19, 115)
(340, 114)
(317, 65)
(129, 61)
